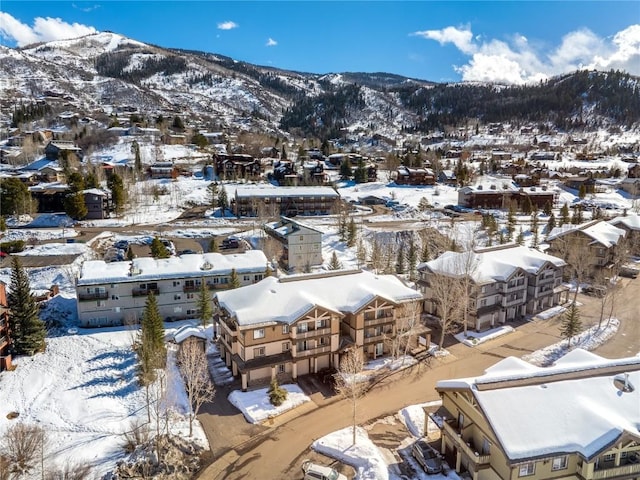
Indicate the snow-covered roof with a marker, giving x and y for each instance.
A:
(492, 264)
(631, 221)
(95, 191)
(286, 226)
(95, 272)
(38, 165)
(187, 331)
(600, 231)
(285, 300)
(576, 405)
(264, 191)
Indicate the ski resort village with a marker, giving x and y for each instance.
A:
(216, 270)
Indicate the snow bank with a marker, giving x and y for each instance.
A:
(255, 405)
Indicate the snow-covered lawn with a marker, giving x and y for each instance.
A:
(83, 392)
(473, 339)
(255, 405)
(587, 340)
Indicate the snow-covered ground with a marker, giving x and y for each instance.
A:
(83, 392)
(471, 339)
(256, 407)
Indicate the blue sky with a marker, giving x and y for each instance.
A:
(502, 41)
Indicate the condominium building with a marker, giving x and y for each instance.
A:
(301, 244)
(506, 282)
(301, 324)
(577, 419)
(116, 293)
(288, 201)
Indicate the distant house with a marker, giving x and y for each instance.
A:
(634, 171)
(237, 165)
(174, 139)
(526, 180)
(576, 419)
(542, 156)
(501, 197)
(372, 200)
(56, 149)
(163, 170)
(448, 177)
(575, 183)
(45, 170)
(631, 186)
(500, 155)
(301, 244)
(415, 176)
(5, 333)
(98, 203)
(287, 201)
(49, 196)
(599, 237)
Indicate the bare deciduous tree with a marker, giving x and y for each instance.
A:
(192, 363)
(575, 251)
(23, 446)
(446, 292)
(407, 328)
(347, 382)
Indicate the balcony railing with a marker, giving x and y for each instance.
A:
(316, 332)
(83, 296)
(616, 472)
(514, 288)
(379, 321)
(190, 288)
(143, 292)
(510, 303)
(469, 450)
(376, 338)
(313, 351)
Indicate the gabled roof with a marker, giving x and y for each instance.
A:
(187, 331)
(287, 299)
(287, 226)
(492, 264)
(631, 221)
(40, 164)
(598, 230)
(576, 405)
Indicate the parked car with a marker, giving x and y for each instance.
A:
(230, 242)
(594, 291)
(428, 458)
(313, 471)
(629, 272)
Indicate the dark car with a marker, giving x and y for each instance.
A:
(427, 457)
(594, 291)
(230, 243)
(629, 272)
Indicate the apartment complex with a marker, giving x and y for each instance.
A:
(577, 419)
(493, 196)
(507, 282)
(301, 244)
(301, 324)
(5, 338)
(115, 293)
(287, 201)
(595, 242)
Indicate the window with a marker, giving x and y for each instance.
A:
(321, 323)
(301, 237)
(527, 469)
(559, 463)
(286, 346)
(303, 327)
(486, 446)
(176, 283)
(285, 329)
(246, 278)
(242, 352)
(258, 277)
(100, 303)
(609, 457)
(115, 297)
(177, 310)
(177, 297)
(116, 309)
(192, 311)
(303, 345)
(281, 368)
(258, 352)
(324, 341)
(190, 296)
(483, 302)
(258, 333)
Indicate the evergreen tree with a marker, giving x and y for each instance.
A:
(135, 148)
(177, 124)
(150, 347)
(534, 228)
(27, 330)
(223, 201)
(571, 323)
(400, 262)
(75, 181)
(75, 206)
(118, 194)
(277, 394)
(520, 237)
(204, 305)
(213, 194)
(527, 206)
(426, 253)
(283, 153)
(582, 191)
(547, 209)
(511, 221)
(564, 215)
(213, 246)
(423, 204)
(342, 228)
(361, 253)
(345, 169)
(15, 198)
(412, 258)
(551, 224)
(3, 224)
(352, 232)
(234, 280)
(335, 263)
(158, 250)
(92, 181)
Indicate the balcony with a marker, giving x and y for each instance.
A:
(514, 288)
(510, 303)
(376, 338)
(143, 292)
(451, 428)
(190, 288)
(623, 471)
(316, 332)
(84, 296)
(387, 318)
(312, 351)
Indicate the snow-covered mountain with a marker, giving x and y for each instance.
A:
(108, 69)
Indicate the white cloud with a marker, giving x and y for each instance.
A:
(518, 60)
(85, 9)
(228, 25)
(461, 37)
(43, 30)
(271, 42)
